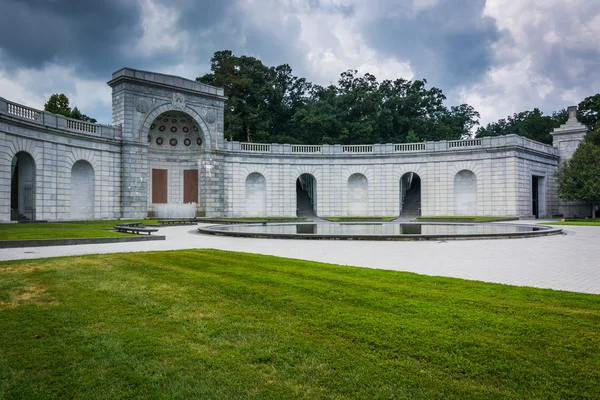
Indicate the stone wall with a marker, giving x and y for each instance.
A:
(56, 144)
(78, 164)
(354, 180)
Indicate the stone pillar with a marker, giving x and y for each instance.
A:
(566, 139)
(568, 136)
(134, 180)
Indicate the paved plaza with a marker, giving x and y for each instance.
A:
(563, 262)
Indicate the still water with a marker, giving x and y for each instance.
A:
(379, 229)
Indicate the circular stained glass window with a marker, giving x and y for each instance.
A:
(166, 120)
(152, 126)
(173, 129)
(198, 141)
(159, 140)
(195, 129)
(182, 121)
(173, 142)
(161, 128)
(187, 142)
(186, 129)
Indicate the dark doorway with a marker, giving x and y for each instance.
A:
(410, 194)
(306, 196)
(535, 196)
(22, 187)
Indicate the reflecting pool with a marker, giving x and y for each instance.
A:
(380, 230)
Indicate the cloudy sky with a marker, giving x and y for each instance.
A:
(500, 56)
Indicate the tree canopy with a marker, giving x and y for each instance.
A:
(59, 104)
(588, 111)
(271, 104)
(530, 124)
(537, 126)
(579, 178)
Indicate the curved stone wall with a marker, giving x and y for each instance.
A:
(175, 126)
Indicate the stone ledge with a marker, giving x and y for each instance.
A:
(7, 244)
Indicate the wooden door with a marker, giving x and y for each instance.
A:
(190, 186)
(159, 186)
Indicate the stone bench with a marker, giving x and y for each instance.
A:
(175, 221)
(131, 228)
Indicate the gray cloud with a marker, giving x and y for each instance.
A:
(86, 33)
(451, 43)
(448, 43)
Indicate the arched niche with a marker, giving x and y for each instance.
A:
(256, 195)
(22, 187)
(82, 190)
(465, 193)
(358, 195)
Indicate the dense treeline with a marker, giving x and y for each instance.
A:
(270, 104)
(537, 126)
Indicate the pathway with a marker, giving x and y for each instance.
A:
(564, 262)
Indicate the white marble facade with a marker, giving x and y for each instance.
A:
(54, 168)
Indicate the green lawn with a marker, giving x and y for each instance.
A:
(580, 222)
(63, 230)
(335, 219)
(465, 218)
(221, 325)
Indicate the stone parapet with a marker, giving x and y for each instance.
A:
(55, 121)
(362, 150)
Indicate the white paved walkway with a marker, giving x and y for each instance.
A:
(565, 262)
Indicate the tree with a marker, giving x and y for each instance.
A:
(59, 104)
(579, 178)
(530, 124)
(588, 111)
(270, 104)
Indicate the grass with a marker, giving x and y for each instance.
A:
(359, 218)
(580, 222)
(221, 325)
(63, 230)
(465, 218)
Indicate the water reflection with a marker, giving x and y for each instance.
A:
(383, 229)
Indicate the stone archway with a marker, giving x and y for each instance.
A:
(410, 194)
(306, 195)
(22, 184)
(175, 143)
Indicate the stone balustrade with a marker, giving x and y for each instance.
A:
(389, 148)
(49, 120)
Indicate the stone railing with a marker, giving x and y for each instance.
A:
(391, 148)
(49, 120)
(358, 148)
(302, 148)
(454, 144)
(81, 126)
(22, 111)
(404, 147)
(256, 147)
